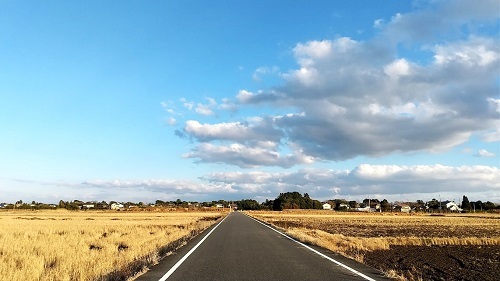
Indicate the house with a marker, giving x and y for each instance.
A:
(327, 206)
(88, 206)
(117, 206)
(344, 206)
(403, 208)
(219, 206)
(452, 206)
(365, 209)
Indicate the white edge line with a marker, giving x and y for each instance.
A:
(315, 251)
(165, 277)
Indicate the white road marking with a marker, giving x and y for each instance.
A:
(317, 252)
(165, 277)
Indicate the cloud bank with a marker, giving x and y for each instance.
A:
(392, 182)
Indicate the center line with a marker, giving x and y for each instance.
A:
(315, 251)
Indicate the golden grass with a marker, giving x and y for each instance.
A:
(354, 234)
(64, 245)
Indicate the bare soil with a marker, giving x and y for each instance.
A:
(465, 263)
(452, 261)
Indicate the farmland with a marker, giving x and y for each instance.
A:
(92, 245)
(406, 247)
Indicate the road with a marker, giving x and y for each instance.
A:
(241, 248)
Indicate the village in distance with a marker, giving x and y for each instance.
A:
(288, 200)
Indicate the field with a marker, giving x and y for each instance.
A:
(406, 247)
(91, 245)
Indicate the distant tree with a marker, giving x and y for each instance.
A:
(479, 204)
(62, 204)
(433, 204)
(268, 204)
(465, 203)
(489, 205)
(277, 206)
(353, 204)
(248, 204)
(385, 206)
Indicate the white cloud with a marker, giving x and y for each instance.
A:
(246, 156)
(491, 136)
(378, 23)
(187, 104)
(244, 95)
(485, 153)
(206, 108)
(475, 51)
(260, 130)
(264, 70)
(362, 98)
(227, 104)
(384, 180)
(397, 68)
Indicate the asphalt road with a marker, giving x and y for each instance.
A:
(241, 248)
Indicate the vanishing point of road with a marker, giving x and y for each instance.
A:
(240, 248)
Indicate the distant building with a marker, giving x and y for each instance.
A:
(365, 209)
(452, 206)
(403, 208)
(327, 206)
(344, 206)
(219, 206)
(117, 206)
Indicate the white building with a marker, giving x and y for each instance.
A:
(452, 206)
(117, 206)
(327, 206)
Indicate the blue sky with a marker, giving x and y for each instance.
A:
(203, 100)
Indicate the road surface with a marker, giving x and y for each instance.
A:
(241, 248)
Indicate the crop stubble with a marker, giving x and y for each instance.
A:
(92, 245)
(416, 247)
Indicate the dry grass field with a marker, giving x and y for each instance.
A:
(406, 247)
(92, 245)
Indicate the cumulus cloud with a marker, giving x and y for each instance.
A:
(159, 185)
(206, 108)
(365, 180)
(245, 132)
(485, 153)
(245, 156)
(350, 98)
(440, 18)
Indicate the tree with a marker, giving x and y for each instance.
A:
(277, 206)
(385, 206)
(62, 204)
(433, 204)
(353, 204)
(489, 205)
(465, 203)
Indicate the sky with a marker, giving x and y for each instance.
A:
(207, 100)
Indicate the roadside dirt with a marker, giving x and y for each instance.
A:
(464, 263)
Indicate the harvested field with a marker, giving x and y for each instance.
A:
(91, 245)
(407, 247)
